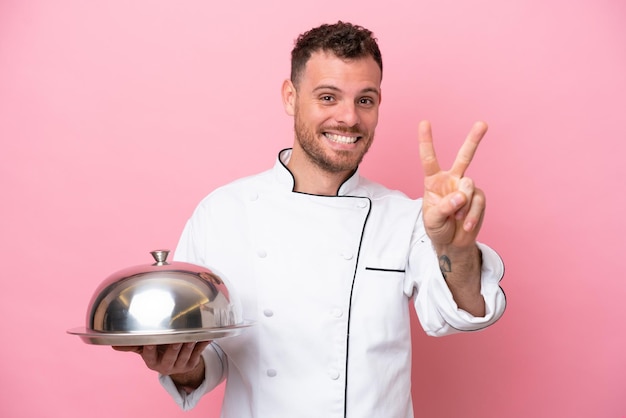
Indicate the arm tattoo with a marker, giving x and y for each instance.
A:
(445, 265)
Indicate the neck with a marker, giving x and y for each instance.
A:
(311, 179)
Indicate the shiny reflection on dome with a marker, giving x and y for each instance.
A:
(150, 307)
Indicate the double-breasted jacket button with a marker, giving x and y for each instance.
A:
(346, 255)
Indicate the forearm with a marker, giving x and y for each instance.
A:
(461, 268)
(191, 380)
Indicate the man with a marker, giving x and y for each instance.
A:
(326, 261)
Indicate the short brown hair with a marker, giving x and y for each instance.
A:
(344, 40)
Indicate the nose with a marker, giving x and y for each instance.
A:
(347, 113)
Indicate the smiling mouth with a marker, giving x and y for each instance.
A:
(341, 139)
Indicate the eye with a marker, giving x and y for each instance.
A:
(327, 98)
(367, 101)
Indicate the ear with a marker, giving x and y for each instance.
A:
(289, 94)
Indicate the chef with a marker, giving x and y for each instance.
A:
(328, 263)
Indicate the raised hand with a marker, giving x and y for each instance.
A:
(453, 210)
(453, 207)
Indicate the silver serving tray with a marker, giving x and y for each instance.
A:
(156, 338)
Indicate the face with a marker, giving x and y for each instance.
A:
(335, 108)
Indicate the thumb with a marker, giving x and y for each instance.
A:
(445, 207)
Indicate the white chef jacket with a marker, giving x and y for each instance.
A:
(327, 281)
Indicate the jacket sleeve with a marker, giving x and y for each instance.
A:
(436, 309)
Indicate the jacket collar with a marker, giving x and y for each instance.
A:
(286, 178)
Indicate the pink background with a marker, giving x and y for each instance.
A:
(116, 118)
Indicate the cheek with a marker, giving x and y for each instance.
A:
(370, 120)
(320, 118)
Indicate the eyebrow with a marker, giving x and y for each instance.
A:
(335, 88)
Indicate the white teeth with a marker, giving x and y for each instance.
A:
(341, 139)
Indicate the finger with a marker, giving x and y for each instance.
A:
(475, 214)
(468, 149)
(198, 348)
(184, 355)
(150, 356)
(129, 348)
(465, 186)
(428, 158)
(170, 356)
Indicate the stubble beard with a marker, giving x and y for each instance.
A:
(340, 161)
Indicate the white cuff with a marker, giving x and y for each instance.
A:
(446, 317)
(214, 372)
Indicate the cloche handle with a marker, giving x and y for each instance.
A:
(160, 256)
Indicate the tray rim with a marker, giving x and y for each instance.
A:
(132, 338)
